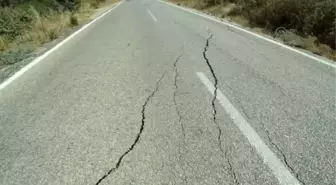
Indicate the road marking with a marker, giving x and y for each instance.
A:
(153, 17)
(251, 33)
(284, 176)
(40, 58)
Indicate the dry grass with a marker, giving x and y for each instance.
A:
(44, 28)
(220, 10)
(239, 20)
(3, 43)
(187, 3)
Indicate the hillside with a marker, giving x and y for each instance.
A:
(309, 24)
(28, 24)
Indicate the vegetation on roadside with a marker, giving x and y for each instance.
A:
(28, 24)
(310, 24)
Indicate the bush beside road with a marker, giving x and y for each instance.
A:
(309, 24)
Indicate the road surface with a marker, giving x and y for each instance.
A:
(152, 94)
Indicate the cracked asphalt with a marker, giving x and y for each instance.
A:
(120, 103)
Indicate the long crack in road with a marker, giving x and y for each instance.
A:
(137, 138)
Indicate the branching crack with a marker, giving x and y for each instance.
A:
(214, 115)
(282, 155)
(137, 138)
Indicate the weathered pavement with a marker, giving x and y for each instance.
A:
(123, 103)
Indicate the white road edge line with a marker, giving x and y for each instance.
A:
(251, 33)
(284, 176)
(153, 17)
(40, 58)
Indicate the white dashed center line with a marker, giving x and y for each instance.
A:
(153, 17)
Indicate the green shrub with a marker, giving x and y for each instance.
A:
(278, 13)
(306, 17)
(69, 4)
(31, 23)
(17, 18)
(13, 21)
(321, 22)
(41, 5)
(73, 20)
(94, 3)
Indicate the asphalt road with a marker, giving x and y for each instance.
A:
(129, 100)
